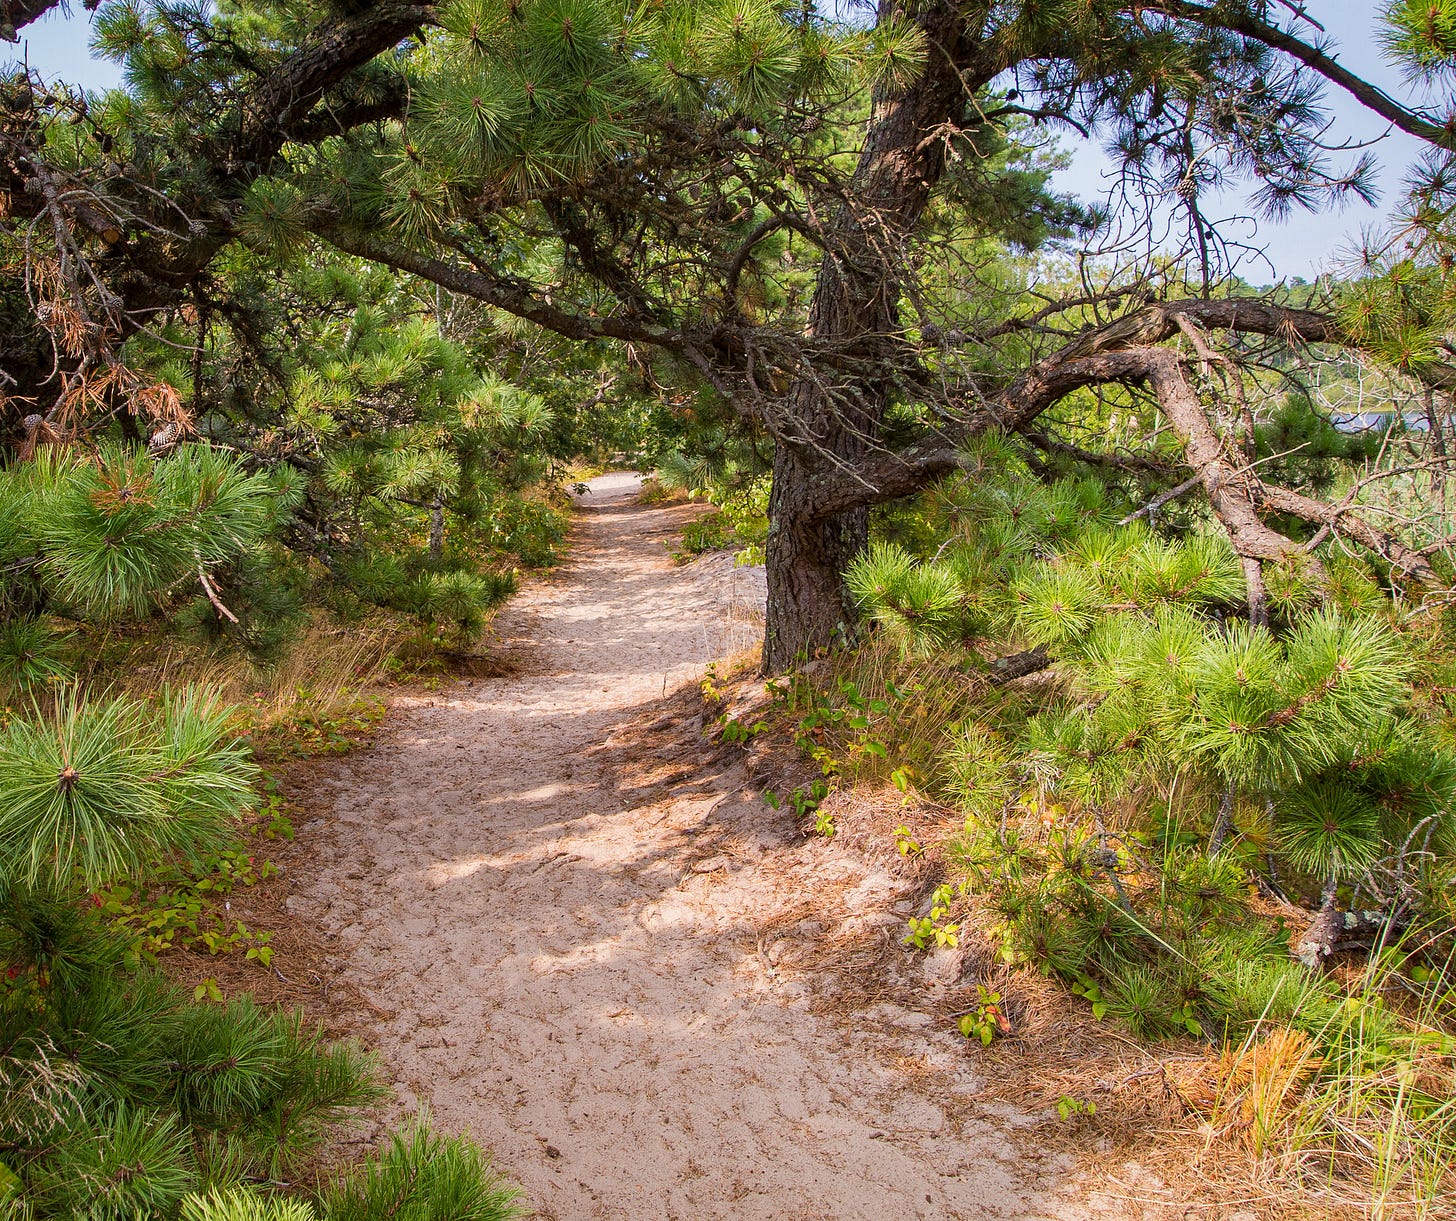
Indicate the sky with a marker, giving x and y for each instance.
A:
(1304, 246)
(1309, 242)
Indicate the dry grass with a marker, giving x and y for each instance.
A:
(654, 493)
(325, 667)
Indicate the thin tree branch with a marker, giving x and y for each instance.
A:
(1242, 19)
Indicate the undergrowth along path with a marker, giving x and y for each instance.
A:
(552, 894)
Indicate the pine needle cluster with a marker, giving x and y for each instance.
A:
(120, 1096)
(531, 95)
(1164, 761)
(116, 533)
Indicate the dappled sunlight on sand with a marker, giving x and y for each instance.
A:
(551, 965)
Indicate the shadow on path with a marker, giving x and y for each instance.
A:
(514, 891)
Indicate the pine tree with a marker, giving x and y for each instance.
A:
(119, 1096)
(1170, 751)
(414, 471)
(115, 533)
(675, 182)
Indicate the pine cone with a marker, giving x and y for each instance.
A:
(163, 439)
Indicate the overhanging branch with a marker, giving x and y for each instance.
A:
(15, 15)
(1241, 19)
(1343, 519)
(516, 297)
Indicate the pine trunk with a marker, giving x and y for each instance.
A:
(806, 555)
(437, 527)
(835, 420)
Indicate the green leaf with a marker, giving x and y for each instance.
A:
(209, 990)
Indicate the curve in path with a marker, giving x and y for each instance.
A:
(515, 895)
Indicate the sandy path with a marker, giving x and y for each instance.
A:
(518, 899)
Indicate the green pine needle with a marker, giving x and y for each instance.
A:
(1327, 829)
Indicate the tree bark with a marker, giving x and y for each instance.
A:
(831, 425)
(437, 527)
(806, 555)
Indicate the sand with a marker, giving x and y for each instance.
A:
(558, 928)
